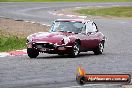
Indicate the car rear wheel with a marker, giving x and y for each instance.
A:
(99, 49)
(32, 53)
(75, 50)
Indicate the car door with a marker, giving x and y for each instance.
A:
(91, 33)
(83, 37)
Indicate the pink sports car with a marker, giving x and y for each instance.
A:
(67, 36)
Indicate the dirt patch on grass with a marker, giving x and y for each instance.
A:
(20, 28)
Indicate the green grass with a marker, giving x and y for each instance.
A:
(65, 0)
(111, 11)
(11, 42)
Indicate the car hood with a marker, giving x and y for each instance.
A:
(50, 37)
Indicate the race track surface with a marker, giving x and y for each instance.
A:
(53, 71)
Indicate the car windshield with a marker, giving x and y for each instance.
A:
(67, 26)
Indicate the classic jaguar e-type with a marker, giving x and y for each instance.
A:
(67, 36)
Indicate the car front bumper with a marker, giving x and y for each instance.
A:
(50, 48)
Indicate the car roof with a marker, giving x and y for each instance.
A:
(73, 20)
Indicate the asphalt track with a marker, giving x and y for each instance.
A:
(53, 71)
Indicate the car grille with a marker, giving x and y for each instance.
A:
(44, 45)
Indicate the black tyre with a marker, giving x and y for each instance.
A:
(32, 53)
(99, 49)
(61, 54)
(75, 50)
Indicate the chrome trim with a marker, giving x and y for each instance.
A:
(67, 46)
(62, 45)
(55, 45)
(43, 42)
(51, 49)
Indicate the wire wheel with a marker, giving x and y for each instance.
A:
(99, 49)
(75, 50)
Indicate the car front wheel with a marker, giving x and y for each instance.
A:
(75, 50)
(32, 53)
(99, 49)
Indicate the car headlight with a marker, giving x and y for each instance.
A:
(29, 39)
(66, 40)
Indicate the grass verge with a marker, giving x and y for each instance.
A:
(109, 11)
(65, 0)
(10, 42)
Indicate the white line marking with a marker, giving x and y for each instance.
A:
(72, 87)
(43, 24)
(23, 50)
(60, 14)
(115, 5)
(53, 13)
(71, 15)
(88, 85)
(82, 16)
(33, 22)
(27, 21)
(4, 54)
(78, 7)
(91, 85)
(100, 6)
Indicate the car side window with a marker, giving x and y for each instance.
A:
(83, 29)
(95, 29)
(91, 27)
